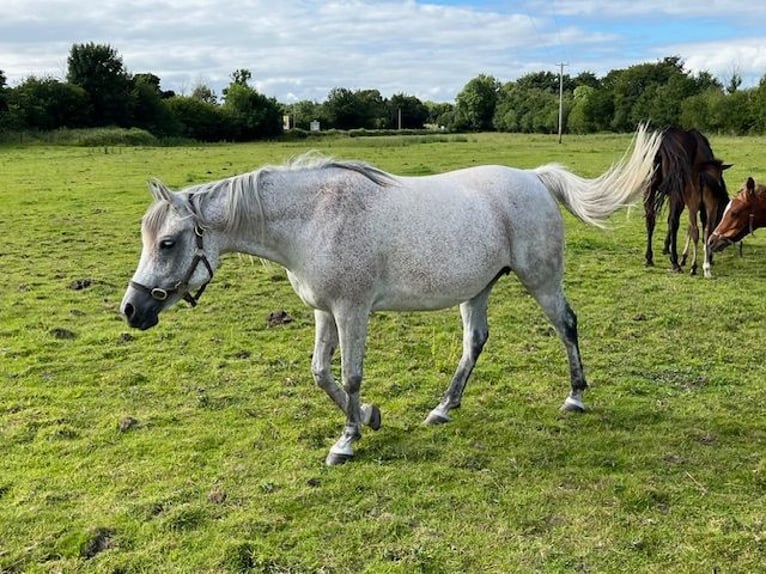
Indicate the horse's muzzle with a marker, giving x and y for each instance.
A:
(141, 311)
(718, 243)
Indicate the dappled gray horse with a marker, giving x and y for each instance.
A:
(355, 239)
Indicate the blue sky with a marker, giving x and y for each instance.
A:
(301, 49)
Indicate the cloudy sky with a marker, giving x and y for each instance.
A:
(301, 49)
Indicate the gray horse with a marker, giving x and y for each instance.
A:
(355, 239)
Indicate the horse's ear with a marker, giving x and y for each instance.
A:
(162, 192)
(750, 185)
(725, 166)
(158, 189)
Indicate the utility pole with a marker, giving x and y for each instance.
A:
(561, 96)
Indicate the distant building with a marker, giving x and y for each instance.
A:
(314, 126)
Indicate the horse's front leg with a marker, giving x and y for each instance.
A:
(694, 236)
(707, 229)
(672, 237)
(325, 343)
(352, 334)
(685, 252)
(475, 334)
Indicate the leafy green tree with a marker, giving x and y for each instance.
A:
(241, 77)
(343, 109)
(254, 115)
(475, 104)
(410, 109)
(758, 98)
(202, 121)
(734, 82)
(149, 108)
(98, 69)
(736, 113)
(3, 92)
(440, 114)
(521, 108)
(699, 110)
(578, 121)
(546, 82)
(373, 108)
(5, 116)
(704, 81)
(47, 104)
(204, 93)
(304, 112)
(346, 109)
(586, 79)
(641, 85)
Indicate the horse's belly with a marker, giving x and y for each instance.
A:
(428, 292)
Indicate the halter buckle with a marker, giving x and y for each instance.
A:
(159, 294)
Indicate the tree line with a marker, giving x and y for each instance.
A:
(98, 91)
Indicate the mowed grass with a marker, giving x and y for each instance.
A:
(198, 446)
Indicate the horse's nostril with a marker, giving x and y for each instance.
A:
(128, 310)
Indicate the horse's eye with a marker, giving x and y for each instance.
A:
(167, 243)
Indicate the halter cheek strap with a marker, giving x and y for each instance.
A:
(163, 293)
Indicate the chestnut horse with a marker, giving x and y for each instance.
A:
(745, 214)
(689, 175)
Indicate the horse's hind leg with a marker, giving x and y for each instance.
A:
(672, 237)
(651, 219)
(561, 316)
(325, 343)
(475, 333)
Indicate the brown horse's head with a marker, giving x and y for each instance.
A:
(745, 213)
(712, 188)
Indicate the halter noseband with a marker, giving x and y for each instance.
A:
(162, 294)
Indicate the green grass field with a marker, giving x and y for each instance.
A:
(198, 446)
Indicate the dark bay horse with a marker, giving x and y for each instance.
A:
(687, 174)
(745, 213)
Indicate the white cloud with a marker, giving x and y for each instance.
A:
(300, 49)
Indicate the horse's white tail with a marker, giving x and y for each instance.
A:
(593, 200)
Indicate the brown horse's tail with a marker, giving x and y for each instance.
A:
(674, 172)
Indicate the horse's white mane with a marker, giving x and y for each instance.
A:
(244, 207)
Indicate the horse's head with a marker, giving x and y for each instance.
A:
(178, 257)
(712, 186)
(745, 213)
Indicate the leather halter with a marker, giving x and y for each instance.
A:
(163, 293)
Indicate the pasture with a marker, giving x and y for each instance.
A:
(199, 446)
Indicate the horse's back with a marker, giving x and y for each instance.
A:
(453, 233)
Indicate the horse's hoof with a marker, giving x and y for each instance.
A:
(371, 416)
(337, 458)
(572, 405)
(435, 418)
(374, 418)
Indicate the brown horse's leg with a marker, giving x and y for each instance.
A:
(685, 252)
(707, 228)
(651, 219)
(694, 236)
(672, 238)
